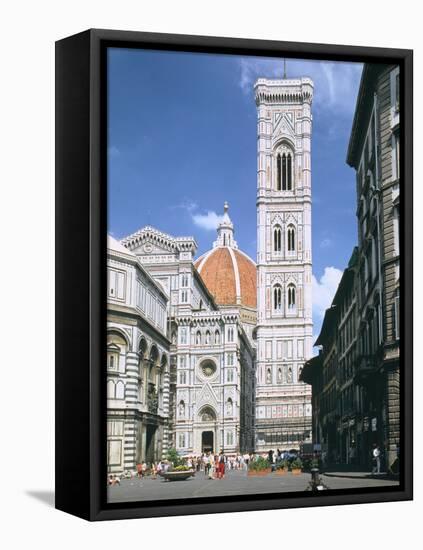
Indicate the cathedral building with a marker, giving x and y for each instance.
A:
(284, 263)
(212, 315)
(210, 349)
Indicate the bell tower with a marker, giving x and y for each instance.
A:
(284, 263)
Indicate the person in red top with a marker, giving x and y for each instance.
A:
(221, 470)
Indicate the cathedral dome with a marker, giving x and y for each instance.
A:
(229, 274)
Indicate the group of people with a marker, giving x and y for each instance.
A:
(214, 465)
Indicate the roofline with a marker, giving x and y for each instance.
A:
(365, 93)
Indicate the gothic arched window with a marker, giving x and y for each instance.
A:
(277, 239)
(289, 172)
(284, 171)
(277, 298)
(279, 172)
(217, 337)
(207, 337)
(198, 338)
(291, 238)
(291, 297)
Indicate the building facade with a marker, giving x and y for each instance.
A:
(337, 394)
(361, 330)
(284, 261)
(212, 360)
(374, 152)
(138, 365)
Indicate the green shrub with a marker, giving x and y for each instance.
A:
(297, 464)
(173, 457)
(259, 464)
(282, 465)
(181, 468)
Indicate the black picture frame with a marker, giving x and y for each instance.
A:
(81, 232)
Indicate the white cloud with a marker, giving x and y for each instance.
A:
(208, 221)
(324, 291)
(335, 83)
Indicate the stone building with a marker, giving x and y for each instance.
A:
(137, 363)
(212, 313)
(284, 262)
(336, 392)
(361, 331)
(374, 152)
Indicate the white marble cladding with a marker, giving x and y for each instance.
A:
(212, 354)
(284, 261)
(137, 363)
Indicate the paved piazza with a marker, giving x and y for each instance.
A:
(235, 482)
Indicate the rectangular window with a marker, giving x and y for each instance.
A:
(183, 335)
(114, 452)
(230, 375)
(268, 349)
(395, 97)
(115, 428)
(395, 156)
(289, 349)
(396, 317)
(279, 349)
(117, 284)
(300, 349)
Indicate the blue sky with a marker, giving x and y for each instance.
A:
(182, 140)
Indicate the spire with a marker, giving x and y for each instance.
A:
(225, 230)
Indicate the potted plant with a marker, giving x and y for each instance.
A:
(259, 467)
(178, 470)
(282, 467)
(297, 466)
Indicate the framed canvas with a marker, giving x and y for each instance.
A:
(232, 218)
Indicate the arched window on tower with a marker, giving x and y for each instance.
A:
(277, 298)
(289, 172)
(291, 238)
(284, 174)
(278, 172)
(291, 295)
(284, 171)
(277, 239)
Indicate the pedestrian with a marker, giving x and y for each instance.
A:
(376, 459)
(221, 463)
(212, 467)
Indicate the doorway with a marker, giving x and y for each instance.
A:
(207, 440)
(149, 444)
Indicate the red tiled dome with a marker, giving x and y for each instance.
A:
(230, 276)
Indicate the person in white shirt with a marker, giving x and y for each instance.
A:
(376, 459)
